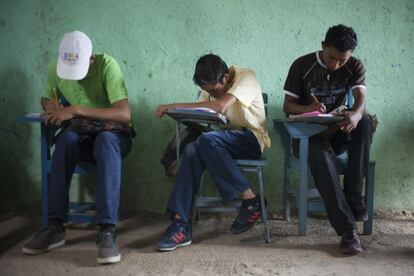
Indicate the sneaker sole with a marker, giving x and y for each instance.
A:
(237, 232)
(175, 247)
(30, 251)
(351, 251)
(109, 260)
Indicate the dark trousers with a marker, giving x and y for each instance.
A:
(107, 151)
(214, 151)
(323, 168)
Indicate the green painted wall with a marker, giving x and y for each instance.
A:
(157, 44)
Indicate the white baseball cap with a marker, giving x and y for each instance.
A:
(75, 50)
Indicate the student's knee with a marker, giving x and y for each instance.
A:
(105, 142)
(365, 123)
(67, 139)
(190, 150)
(207, 141)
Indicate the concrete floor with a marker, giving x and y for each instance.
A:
(389, 251)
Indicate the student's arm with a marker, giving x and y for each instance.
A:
(351, 118)
(49, 100)
(293, 89)
(118, 112)
(220, 105)
(291, 106)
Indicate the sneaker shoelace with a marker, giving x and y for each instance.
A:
(174, 232)
(46, 231)
(106, 239)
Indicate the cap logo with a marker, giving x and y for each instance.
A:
(70, 57)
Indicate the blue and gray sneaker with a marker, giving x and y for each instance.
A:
(178, 234)
(50, 237)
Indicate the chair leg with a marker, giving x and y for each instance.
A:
(303, 186)
(263, 206)
(286, 198)
(196, 213)
(369, 195)
(193, 217)
(45, 156)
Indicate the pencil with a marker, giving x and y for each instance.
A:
(316, 99)
(55, 97)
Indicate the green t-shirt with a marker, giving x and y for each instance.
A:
(102, 86)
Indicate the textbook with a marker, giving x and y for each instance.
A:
(197, 115)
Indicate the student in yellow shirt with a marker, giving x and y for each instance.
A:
(236, 93)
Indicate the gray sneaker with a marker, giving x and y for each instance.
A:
(48, 238)
(108, 251)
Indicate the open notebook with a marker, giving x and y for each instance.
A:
(202, 115)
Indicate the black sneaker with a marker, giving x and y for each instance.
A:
(357, 205)
(350, 243)
(108, 251)
(249, 213)
(178, 234)
(50, 237)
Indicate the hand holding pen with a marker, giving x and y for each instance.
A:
(52, 104)
(317, 106)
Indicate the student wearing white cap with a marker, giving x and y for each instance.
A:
(96, 127)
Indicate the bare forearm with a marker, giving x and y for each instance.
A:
(359, 104)
(121, 115)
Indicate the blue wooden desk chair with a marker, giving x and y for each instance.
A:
(308, 199)
(77, 210)
(215, 204)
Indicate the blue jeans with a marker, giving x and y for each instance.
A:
(106, 150)
(214, 151)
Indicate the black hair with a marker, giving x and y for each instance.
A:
(210, 69)
(341, 37)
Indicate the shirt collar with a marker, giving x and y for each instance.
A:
(92, 69)
(319, 60)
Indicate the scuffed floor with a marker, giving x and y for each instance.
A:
(389, 251)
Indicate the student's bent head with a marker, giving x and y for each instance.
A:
(211, 74)
(339, 43)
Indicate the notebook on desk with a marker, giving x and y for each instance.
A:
(198, 115)
(31, 117)
(311, 114)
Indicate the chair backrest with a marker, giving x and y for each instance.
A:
(349, 99)
(265, 101)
